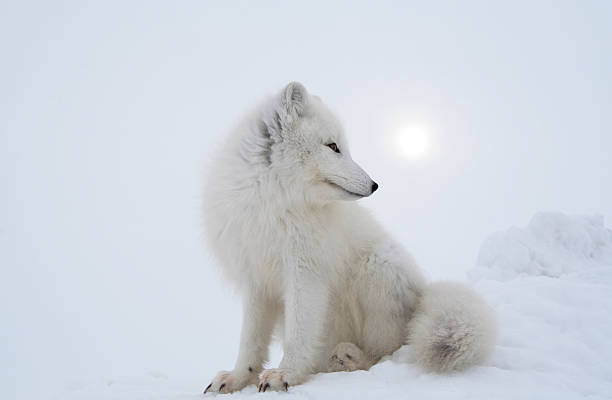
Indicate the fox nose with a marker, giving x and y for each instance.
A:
(374, 186)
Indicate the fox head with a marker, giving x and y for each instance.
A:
(305, 147)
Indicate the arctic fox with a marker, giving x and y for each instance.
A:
(315, 267)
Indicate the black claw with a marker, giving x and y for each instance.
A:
(260, 387)
(266, 386)
(207, 387)
(286, 386)
(221, 387)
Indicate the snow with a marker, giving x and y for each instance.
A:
(551, 286)
(553, 244)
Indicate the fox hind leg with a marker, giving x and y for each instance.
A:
(347, 357)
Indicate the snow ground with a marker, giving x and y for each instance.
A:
(551, 286)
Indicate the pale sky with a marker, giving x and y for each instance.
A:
(109, 112)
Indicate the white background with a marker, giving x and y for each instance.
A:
(110, 110)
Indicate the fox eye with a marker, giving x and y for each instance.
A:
(348, 356)
(334, 147)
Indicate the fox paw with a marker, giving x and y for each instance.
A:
(231, 381)
(279, 380)
(347, 357)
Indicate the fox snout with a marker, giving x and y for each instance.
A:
(356, 182)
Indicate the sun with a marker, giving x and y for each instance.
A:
(413, 141)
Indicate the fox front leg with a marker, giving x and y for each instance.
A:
(259, 317)
(305, 305)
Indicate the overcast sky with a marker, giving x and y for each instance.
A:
(109, 112)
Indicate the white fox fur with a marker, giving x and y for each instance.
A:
(316, 267)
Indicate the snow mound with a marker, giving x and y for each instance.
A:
(553, 244)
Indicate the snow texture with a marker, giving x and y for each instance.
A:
(553, 244)
(551, 287)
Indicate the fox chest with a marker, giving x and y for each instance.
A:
(271, 253)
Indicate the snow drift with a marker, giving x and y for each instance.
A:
(553, 244)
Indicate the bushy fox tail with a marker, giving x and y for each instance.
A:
(452, 328)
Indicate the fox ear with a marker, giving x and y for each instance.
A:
(290, 106)
(294, 100)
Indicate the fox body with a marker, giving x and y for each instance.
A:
(314, 266)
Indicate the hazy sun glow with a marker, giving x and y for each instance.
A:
(413, 141)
